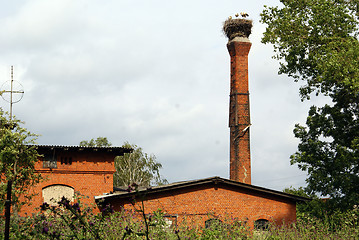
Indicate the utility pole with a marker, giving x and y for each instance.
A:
(11, 92)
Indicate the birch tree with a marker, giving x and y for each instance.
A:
(137, 167)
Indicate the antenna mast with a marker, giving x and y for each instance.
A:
(11, 84)
(10, 88)
(18, 90)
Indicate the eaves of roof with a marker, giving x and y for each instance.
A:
(115, 150)
(214, 180)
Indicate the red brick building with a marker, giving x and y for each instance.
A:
(69, 169)
(211, 198)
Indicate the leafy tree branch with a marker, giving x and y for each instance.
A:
(316, 42)
(18, 156)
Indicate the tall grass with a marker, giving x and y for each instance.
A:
(339, 225)
(75, 221)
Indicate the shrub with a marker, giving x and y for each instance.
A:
(72, 220)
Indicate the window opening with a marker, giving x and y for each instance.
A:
(50, 161)
(261, 224)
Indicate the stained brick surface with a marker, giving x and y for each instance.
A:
(239, 112)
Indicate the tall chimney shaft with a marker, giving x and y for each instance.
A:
(239, 115)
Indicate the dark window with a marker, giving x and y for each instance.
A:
(49, 161)
(261, 224)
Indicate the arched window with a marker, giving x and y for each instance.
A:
(261, 224)
(52, 194)
(212, 223)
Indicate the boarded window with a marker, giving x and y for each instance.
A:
(53, 194)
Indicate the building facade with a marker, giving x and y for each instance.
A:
(202, 200)
(66, 170)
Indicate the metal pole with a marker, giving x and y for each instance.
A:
(11, 83)
(8, 210)
(9, 182)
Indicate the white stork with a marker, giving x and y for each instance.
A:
(244, 14)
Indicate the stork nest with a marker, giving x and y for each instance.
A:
(238, 27)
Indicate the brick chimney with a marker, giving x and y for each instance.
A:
(237, 31)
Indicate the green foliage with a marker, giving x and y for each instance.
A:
(329, 151)
(72, 220)
(316, 208)
(98, 142)
(316, 41)
(225, 230)
(137, 167)
(17, 160)
(335, 226)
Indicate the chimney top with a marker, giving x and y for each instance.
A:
(237, 27)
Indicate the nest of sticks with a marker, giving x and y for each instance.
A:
(237, 27)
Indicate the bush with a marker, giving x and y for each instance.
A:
(340, 225)
(75, 221)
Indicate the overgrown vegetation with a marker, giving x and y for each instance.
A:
(17, 160)
(73, 220)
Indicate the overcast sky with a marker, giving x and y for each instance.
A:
(154, 73)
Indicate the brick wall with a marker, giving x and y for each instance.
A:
(90, 173)
(199, 203)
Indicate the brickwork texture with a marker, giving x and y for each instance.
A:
(239, 112)
(90, 174)
(200, 203)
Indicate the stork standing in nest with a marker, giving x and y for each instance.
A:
(244, 14)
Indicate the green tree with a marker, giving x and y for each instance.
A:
(316, 42)
(137, 167)
(18, 156)
(98, 142)
(314, 208)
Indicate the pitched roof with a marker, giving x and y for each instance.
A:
(122, 193)
(115, 150)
